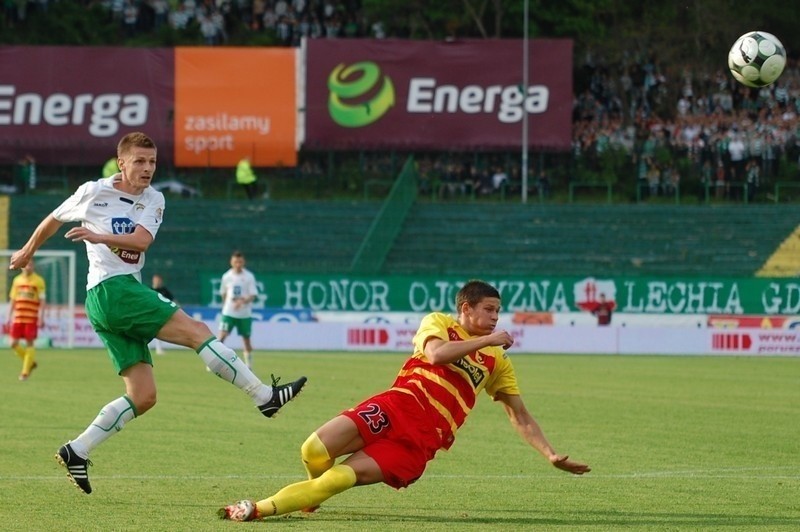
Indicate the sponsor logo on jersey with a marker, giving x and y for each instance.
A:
(104, 204)
(124, 226)
(127, 256)
(476, 374)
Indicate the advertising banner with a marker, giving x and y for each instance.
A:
(728, 321)
(70, 105)
(276, 329)
(202, 106)
(631, 295)
(424, 95)
(232, 103)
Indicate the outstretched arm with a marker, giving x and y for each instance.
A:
(529, 429)
(139, 240)
(45, 230)
(441, 351)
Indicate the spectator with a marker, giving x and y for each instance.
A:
(753, 179)
(110, 168)
(603, 310)
(246, 178)
(161, 11)
(720, 182)
(653, 178)
(26, 173)
(499, 178)
(130, 17)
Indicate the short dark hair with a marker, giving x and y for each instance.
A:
(473, 292)
(136, 139)
(237, 255)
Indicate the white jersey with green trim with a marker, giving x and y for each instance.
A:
(237, 285)
(103, 209)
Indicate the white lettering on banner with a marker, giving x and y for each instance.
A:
(106, 111)
(202, 143)
(424, 96)
(682, 297)
(226, 122)
(537, 297)
(443, 297)
(336, 294)
(517, 296)
(772, 298)
(216, 127)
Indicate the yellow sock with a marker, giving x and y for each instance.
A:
(308, 493)
(29, 360)
(20, 351)
(315, 456)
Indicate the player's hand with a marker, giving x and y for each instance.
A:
(565, 464)
(501, 338)
(19, 260)
(81, 234)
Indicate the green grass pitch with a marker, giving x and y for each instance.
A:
(675, 443)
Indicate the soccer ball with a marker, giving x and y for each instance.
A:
(757, 59)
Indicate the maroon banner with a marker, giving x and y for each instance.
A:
(70, 105)
(466, 94)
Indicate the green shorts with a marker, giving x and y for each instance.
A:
(127, 315)
(243, 326)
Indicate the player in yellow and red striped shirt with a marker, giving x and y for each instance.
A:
(26, 315)
(391, 436)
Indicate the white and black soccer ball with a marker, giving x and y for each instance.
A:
(757, 59)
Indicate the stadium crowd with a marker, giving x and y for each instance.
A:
(640, 122)
(703, 123)
(287, 20)
(655, 129)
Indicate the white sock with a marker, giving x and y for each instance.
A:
(108, 422)
(223, 362)
(248, 359)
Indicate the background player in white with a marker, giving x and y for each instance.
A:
(120, 216)
(238, 290)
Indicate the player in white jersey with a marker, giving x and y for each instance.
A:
(119, 217)
(238, 290)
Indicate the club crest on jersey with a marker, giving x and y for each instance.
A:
(122, 226)
(476, 374)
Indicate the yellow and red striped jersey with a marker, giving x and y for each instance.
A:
(27, 295)
(448, 391)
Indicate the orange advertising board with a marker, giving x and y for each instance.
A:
(232, 103)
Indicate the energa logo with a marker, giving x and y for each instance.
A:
(359, 94)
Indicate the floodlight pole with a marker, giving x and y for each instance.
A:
(525, 107)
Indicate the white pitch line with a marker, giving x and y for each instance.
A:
(720, 473)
